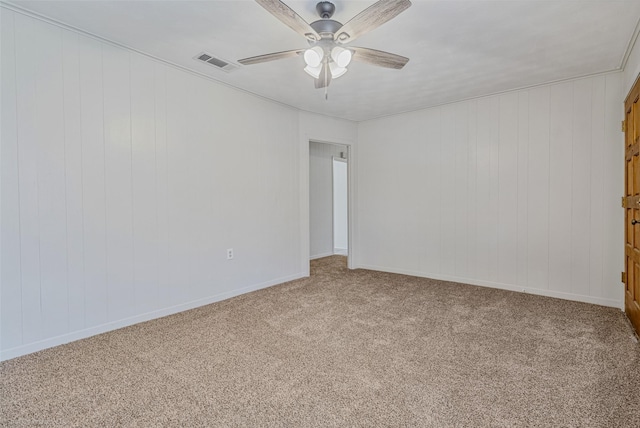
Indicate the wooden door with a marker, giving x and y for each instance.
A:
(631, 203)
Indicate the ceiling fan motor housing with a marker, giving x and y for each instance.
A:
(325, 9)
(326, 27)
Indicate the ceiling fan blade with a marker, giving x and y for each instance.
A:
(370, 18)
(379, 58)
(288, 17)
(325, 77)
(270, 57)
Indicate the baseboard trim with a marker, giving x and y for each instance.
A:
(502, 286)
(148, 316)
(319, 256)
(340, 251)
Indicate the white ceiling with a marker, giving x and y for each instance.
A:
(457, 49)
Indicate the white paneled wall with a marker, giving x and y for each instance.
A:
(125, 180)
(518, 191)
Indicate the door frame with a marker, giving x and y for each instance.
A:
(304, 200)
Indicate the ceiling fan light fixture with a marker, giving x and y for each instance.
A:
(325, 57)
(336, 70)
(313, 71)
(313, 56)
(341, 56)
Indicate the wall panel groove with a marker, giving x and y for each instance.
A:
(27, 80)
(11, 325)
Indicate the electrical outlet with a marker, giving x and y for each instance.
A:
(229, 253)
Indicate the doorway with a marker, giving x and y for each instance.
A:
(328, 199)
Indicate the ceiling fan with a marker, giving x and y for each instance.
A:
(326, 58)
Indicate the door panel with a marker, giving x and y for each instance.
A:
(631, 203)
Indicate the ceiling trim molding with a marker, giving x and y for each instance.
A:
(24, 11)
(630, 45)
(496, 94)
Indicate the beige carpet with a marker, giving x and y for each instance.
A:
(343, 348)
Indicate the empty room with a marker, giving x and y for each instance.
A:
(300, 213)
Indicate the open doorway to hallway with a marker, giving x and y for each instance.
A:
(328, 199)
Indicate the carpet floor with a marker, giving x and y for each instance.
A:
(343, 348)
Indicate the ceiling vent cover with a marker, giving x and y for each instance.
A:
(218, 63)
